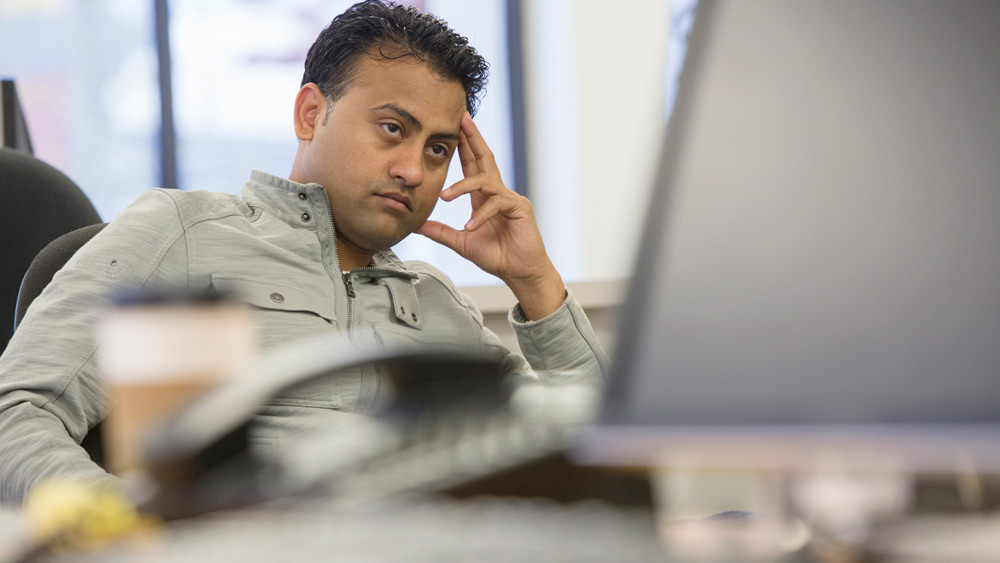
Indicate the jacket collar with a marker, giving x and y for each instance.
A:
(282, 197)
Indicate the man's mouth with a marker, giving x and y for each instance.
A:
(398, 197)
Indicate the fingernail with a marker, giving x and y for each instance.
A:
(470, 224)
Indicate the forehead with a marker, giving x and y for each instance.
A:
(408, 82)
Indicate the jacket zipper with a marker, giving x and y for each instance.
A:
(350, 334)
(350, 305)
(349, 285)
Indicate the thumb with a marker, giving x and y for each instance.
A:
(441, 234)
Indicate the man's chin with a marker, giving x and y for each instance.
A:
(380, 232)
(388, 241)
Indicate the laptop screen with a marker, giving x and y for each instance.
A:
(819, 266)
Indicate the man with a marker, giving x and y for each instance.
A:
(386, 102)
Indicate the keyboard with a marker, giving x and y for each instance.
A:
(437, 451)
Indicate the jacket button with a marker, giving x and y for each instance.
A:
(277, 298)
(414, 317)
(302, 196)
(305, 217)
(402, 310)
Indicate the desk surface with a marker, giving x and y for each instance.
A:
(406, 528)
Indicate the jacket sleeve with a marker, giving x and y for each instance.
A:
(51, 393)
(562, 341)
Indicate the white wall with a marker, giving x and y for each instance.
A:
(595, 75)
(595, 110)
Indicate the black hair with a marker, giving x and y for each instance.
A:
(389, 31)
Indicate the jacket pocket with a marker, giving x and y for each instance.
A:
(285, 315)
(271, 296)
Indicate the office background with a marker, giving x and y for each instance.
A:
(594, 90)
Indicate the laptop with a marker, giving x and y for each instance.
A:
(818, 278)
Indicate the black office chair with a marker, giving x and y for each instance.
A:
(37, 205)
(45, 218)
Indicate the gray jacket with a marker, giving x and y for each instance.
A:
(277, 239)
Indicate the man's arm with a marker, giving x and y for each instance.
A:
(50, 390)
(503, 239)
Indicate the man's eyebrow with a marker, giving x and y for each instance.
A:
(413, 122)
(403, 114)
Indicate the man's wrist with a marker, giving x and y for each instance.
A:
(541, 296)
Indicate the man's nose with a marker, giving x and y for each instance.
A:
(408, 166)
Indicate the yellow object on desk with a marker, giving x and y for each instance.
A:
(67, 513)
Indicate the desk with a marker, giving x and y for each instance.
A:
(402, 528)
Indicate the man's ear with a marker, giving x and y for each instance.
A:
(310, 107)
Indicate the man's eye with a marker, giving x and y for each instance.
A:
(439, 150)
(392, 128)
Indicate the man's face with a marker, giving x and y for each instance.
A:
(382, 152)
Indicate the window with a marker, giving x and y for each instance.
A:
(88, 77)
(237, 67)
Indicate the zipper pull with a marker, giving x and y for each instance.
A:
(350, 286)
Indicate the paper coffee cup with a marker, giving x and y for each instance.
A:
(157, 358)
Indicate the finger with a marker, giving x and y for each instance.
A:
(481, 183)
(466, 157)
(493, 206)
(441, 234)
(480, 150)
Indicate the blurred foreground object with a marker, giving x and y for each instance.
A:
(69, 514)
(159, 353)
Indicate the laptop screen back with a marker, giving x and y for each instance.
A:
(820, 260)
